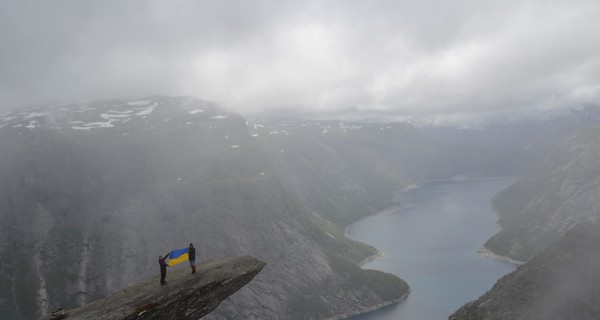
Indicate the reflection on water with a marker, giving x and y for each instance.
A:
(431, 241)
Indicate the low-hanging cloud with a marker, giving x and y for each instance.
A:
(456, 61)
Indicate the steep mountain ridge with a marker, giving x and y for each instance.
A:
(564, 191)
(91, 194)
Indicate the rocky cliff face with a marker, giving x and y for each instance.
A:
(560, 283)
(185, 296)
(90, 195)
(563, 192)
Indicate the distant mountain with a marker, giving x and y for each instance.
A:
(559, 283)
(528, 141)
(344, 169)
(91, 194)
(564, 191)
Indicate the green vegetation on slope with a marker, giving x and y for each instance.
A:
(370, 286)
(334, 240)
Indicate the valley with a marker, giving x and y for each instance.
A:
(92, 193)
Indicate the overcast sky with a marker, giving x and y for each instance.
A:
(455, 60)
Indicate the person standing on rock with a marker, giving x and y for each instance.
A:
(192, 257)
(163, 268)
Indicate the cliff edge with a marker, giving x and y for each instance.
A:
(185, 296)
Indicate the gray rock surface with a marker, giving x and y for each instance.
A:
(185, 296)
(563, 192)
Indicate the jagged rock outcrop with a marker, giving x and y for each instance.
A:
(185, 296)
(562, 192)
(563, 282)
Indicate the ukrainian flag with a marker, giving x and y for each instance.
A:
(178, 256)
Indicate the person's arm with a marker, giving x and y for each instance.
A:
(165, 258)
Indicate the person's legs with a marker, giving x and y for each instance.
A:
(193, 265)
(163, 275)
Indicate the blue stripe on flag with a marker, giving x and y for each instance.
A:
(176, 253)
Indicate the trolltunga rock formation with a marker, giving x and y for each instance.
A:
(185, 296)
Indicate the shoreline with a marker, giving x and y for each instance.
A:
(370, 258)
(484, 252)
(378, 254)
(487, 253)
(386, 210)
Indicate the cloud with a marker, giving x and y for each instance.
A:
(456, 60)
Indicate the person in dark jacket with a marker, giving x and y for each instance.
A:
(192, 257)
(163, 268)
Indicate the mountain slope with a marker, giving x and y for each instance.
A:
(91, 194)
(560, 283)
(343, 170)
(563, 192)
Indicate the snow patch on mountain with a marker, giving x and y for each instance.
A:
(138, 102)
(124, 111)
(32, 124)
(108, 116)
(146, 111)
(94, 125)
(34, 115)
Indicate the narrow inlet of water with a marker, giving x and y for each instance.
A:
(431, 240)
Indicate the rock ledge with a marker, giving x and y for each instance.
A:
(185, 296)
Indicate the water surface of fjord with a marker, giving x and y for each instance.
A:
(430, 241)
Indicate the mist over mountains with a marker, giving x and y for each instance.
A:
(561, 193)
(92, 193)
(549, 219)
(323, 112)
(560, 282)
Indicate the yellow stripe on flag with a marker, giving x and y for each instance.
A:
(180, 259)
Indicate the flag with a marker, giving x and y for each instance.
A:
(178, 256)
